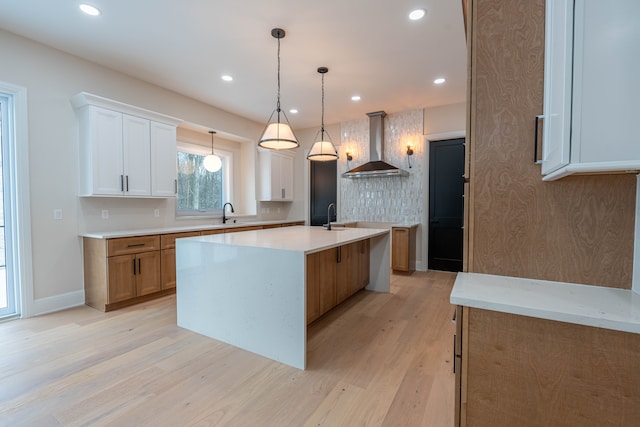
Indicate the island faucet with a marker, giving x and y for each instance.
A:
(328, 224)
(224, 216)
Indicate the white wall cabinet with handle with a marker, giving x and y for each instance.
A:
(276, 176)
(591, 88)
(125, 150)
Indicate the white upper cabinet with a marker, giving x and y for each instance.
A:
(125, 150)
(163, 160)
(591, 87)
(136, 147)
(276, 176)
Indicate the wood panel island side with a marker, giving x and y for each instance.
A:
(258, 290)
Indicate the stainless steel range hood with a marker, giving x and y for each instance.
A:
(376, 165)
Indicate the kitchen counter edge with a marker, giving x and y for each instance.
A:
(184, 229)
(602, 307)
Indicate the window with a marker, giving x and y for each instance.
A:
(201, 192)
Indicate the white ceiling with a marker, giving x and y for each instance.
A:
(370, 47)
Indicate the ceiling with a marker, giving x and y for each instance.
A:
(370, 47)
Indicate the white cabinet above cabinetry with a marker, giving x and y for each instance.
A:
(591, 88)
(124, 150)
(276, 176)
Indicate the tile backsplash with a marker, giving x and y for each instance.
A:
(384, 199)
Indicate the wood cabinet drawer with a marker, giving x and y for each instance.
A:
(247, 228)
(168, 241)
(214, 231)
(132, 245)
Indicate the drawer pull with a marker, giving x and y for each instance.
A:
(137, 245)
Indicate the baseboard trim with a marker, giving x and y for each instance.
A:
(56, 303)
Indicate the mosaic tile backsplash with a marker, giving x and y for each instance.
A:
(384, 199)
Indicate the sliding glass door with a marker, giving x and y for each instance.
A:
(8, 306)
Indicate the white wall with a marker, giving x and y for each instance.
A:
(51, 78)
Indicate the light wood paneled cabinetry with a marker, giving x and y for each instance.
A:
(168, 260)
(125, 150)
(517, 224)
(590, 88)
(403, 247)
(276, 177)
(121, 271)
(333, 275)
(245, 228)
(321, 283)
(526, 371)
(124, 271)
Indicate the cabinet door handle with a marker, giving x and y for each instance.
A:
(535, 141)
(121, 182)
(339, 255)
(454, 353)
(134, 267)
(139, 266)
(175, 181)
(127, 183)
(283, 193)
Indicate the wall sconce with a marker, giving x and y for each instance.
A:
(409, 153)
(349, 158)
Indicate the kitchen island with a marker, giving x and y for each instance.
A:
(251, 289)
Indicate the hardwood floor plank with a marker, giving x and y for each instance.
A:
(377, 359)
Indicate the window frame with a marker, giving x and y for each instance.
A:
(227, 174)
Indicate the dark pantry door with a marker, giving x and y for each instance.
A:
(446, 204)
(323, 191)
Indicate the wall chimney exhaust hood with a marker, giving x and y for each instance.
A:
(376, 165)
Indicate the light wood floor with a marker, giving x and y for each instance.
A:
(378, 359)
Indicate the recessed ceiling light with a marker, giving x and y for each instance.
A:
(90, 10)
(227, 78)
(417, 14)
(439, 80)
(355, 98)
(293, 111)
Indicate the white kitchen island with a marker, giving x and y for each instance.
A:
(248, 289)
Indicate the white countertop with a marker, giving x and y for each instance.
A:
(169, 230)
(298, 238)
(609, 308)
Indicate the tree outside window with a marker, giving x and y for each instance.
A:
(198, 189)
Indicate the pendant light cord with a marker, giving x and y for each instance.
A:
(278, 103)
(322, 122)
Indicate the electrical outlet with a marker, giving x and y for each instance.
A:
(105, 214)
(156, 213)
(57, 214)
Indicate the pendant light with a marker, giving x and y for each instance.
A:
(278, 135)
(323, 150)
(212, 162)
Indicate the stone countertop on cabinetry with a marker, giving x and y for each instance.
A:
(609, 308)
(185, 229)
(300, 238)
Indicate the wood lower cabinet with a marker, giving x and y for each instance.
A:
(120, 272)
(132, 276)
(128, 270)
(529, 372)
(168, 257)
(403, 248)
(321, 283)
(333, 275)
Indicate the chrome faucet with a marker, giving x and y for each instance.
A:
(224, 217)
(328, 224)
